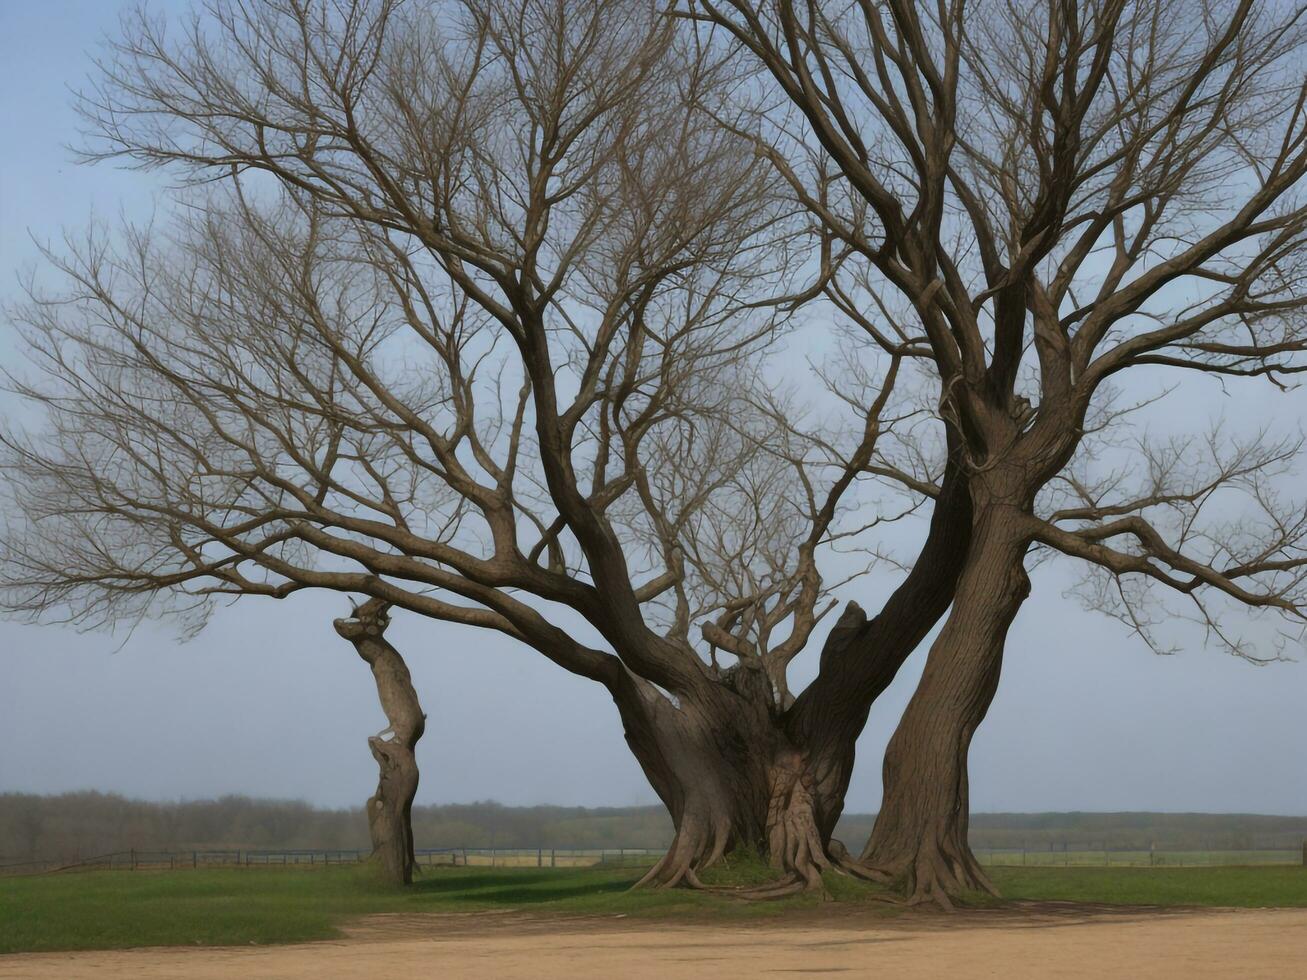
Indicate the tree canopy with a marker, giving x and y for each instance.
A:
(477, 309)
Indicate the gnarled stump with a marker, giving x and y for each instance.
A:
(390, 809)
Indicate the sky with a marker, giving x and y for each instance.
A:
(268, 701)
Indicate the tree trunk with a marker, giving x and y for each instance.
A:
(722, 764)
(920, 836)
(861, 656)
(390, 809)
(736, 772)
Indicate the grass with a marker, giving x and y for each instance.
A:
(1230, 887)
(116, 909)
(103, 910)
(1136, 859)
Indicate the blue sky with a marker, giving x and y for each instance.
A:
(268, 701)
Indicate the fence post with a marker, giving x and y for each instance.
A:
(540, 857)
(1304, 853)
(133, 852)
(553, 855)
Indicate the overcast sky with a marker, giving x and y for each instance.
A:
(268, 701)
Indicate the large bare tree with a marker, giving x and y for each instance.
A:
(467, 313)
(1036, 202)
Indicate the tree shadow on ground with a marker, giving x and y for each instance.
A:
(520, 888)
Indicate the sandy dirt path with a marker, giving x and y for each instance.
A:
(1041, 943)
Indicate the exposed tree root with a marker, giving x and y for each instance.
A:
(794, 845)
(848, 865)
(698, 844)
(790, 884)
(794, 842)
(930, 875)
(934, 875)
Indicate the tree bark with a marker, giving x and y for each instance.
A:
(390, 809)
(730, 778)
(861, 657)
(735, 771)
(920, 836)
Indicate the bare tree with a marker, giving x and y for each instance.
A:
(1032, 201)
(390, 809)
(469, 315)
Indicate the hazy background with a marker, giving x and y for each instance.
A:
(268, 701)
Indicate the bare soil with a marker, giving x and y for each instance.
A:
(1018, 942)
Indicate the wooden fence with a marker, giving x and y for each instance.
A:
(1068, 855)
(515, 857)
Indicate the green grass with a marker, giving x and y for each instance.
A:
(115, 909)
(1136, 859)
(1248, 887)
(102, 910)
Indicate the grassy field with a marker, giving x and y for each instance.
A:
(1135, 859)
(230, 907)
(115, 909)
(1247, 887)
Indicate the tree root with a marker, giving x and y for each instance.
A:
(933, 876)
(695, 847)
(680, 868)
(790, 884)
(794, 843)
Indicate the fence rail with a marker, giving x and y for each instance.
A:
(428, 857)
(1155, 857)
(1087, 855)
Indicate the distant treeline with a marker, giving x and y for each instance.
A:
(75, 825)
(1124, 831)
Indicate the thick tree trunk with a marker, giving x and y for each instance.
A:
(730, 778)
(390, 809)
(861, 656)
(920, 836)
(737, 772)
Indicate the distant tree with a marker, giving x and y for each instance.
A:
(1033, 201)
(470, 314)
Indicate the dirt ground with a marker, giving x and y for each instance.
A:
(1037, 941)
